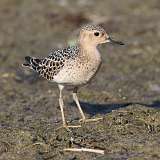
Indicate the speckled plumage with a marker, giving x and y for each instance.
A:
(70, 66)
(51, 65)
(74, 65)
(90, 27)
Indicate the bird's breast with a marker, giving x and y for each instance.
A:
(79, 71)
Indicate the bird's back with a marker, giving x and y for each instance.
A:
(50, 66)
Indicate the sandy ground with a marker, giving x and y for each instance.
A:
(126, 91)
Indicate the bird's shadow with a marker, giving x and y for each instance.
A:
(93, 108)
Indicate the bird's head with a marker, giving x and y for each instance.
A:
(92, 34)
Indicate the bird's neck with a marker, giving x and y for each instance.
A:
(90, 51)
(87, 45)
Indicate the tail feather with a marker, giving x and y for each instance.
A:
(31, 62)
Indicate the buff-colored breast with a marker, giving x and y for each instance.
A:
(80, 70)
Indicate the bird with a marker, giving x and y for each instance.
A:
(73, 66)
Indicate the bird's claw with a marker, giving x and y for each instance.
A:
(90, 120)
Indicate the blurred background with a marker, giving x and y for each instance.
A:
(129, 74)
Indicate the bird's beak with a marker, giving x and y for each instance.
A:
(110, 40)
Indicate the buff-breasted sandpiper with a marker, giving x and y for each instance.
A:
(73, 66)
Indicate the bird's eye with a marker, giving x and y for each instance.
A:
(96, 33)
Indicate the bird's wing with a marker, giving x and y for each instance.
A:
(51, 65)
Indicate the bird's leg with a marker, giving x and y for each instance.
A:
(83, 119)
(75, 98)
(61, 104)
(62, 111)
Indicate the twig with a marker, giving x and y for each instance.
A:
(84, 150)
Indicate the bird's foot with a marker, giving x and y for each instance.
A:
(90, 120)
(67, 127)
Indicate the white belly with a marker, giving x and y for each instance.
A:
(77, 74)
